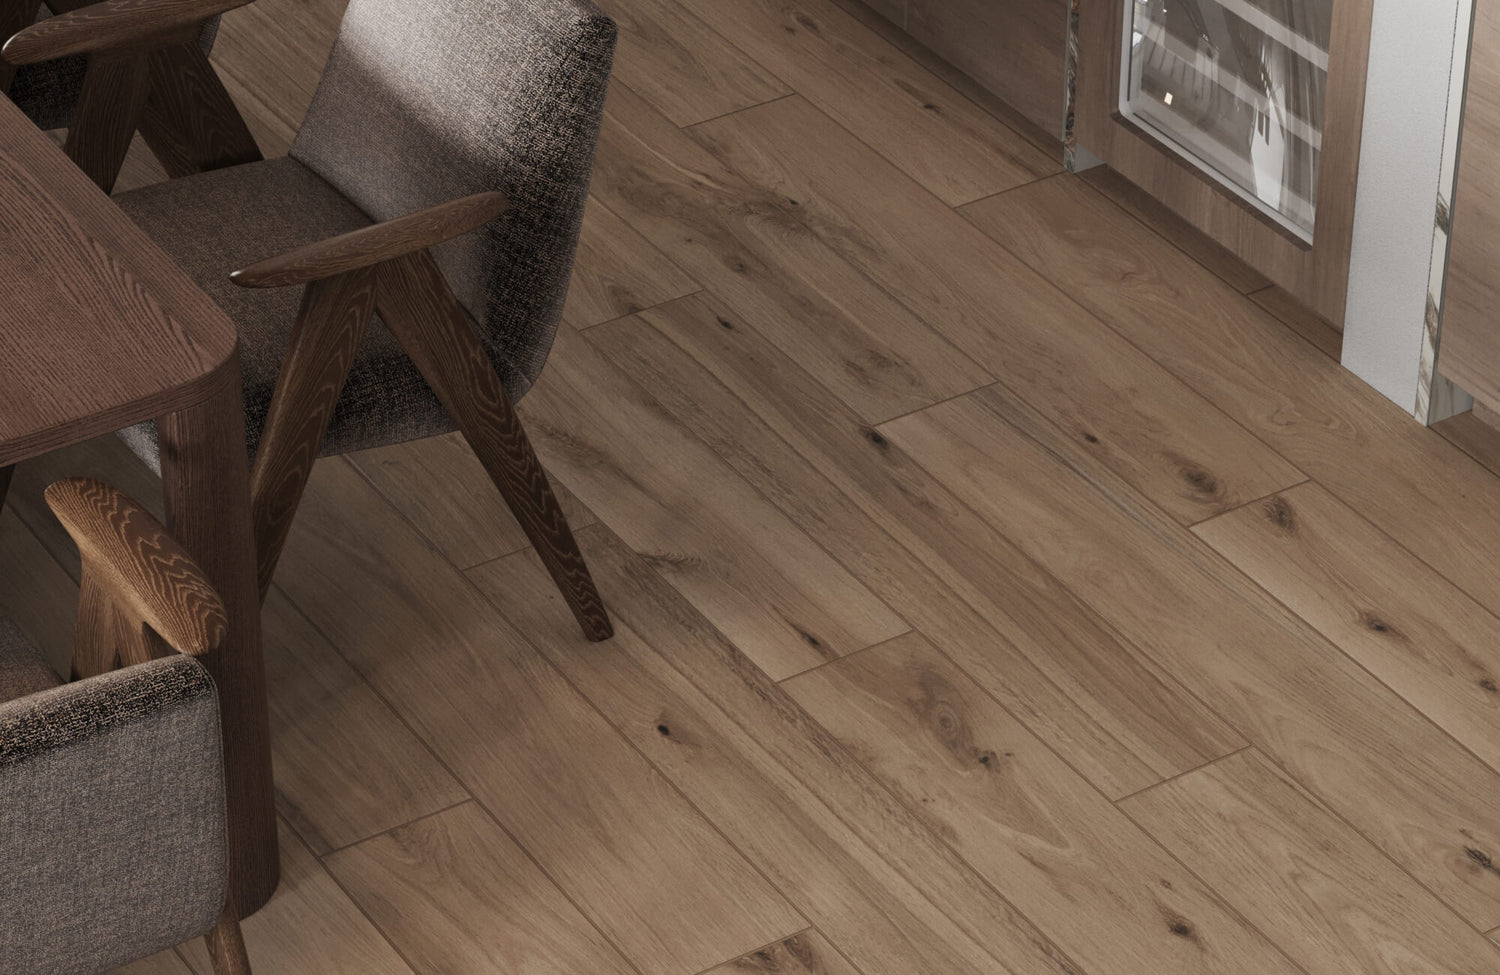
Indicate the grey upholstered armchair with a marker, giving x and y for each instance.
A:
(104, 70)
(423, 230)
(112, 824)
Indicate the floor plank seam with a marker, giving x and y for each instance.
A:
(585, 329)
(1245, 504)
(1187, 771)
(852, 653)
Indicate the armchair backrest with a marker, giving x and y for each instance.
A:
(424, 101)
(112, 841)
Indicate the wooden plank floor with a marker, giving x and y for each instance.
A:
(1006, 580)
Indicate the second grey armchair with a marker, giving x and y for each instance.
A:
(429, 211)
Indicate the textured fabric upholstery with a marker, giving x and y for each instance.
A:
(47, 91)
(423, 101)
(211, 223)
(23, 669)
(112, 843)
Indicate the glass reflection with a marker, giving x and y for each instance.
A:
(1236, 87)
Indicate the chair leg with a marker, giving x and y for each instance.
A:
(415, 303)
(6, 473)
(226, 945)
(15, 15)
(94, 650)
(109, 110)
(190, 122)
(334, 315)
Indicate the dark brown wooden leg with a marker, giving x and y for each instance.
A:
(109, 110)
(206, 490)
(94, 650)
(15, 15)
(330, 324)
(226, 945)
(191, 123)
(416, 304)
(6, 473)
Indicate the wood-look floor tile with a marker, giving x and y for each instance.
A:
(1407, 625)
(309, 925)
(783, 600)
(1146, 424)
(1059, 850)
(617, 272)
(947, 572)
(808, 953)
(162, 963)
(440, 486)
(749, 246)
(457, 895)
(1428, 803)
(852, 860)
(1302, 320)
(596, 816)
(1313, 885)
(869, 87)
(681, 65)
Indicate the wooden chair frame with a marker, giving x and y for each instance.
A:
(141, 596)
(387, 268)
(145, 72)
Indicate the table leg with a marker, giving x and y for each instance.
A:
(206, 488)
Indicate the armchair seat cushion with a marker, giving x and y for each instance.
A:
(213, 223)
(23, 670)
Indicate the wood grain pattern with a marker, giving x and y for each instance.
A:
(1403, 622)
(1427, 495)
(1345, 736)
(281, 939)
(191, 122)
(1317, 274)
(1056, 848)
(1292, 868)
(1323, 334)
(375, 244)
(1149, 427)
(870, 88)
(593, 813)
(1049, 658)
(112, 26)
(852, 860)
(331, 321)
(782, 600)
(808, 953)
(443, 489)
(162, 963)
(748, 245)
(455, 894)
(415, 303)
(109, 110)
(143, 569)
(681, 65)
(226, 945)
(617, 272)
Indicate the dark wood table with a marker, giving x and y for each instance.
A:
(99, 330)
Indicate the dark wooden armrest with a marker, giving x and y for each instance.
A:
(111, 26)
(142, 568)
(373, 245)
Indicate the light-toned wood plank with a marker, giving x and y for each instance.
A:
(1192, 241)
(1313, 885)
(1070, 680)
(748, 245)
(346, 767)
(442, 488)
(808, 953)
(1147, 425)
(596, 816)
(618, 272)
(945, 141)
(1470, 433)
(276, 50)
(857, 864)
(1415, 486)
(1403, 622)
(681, 65)
(455, 894)
(162, 963)
(1428, 803)
(309, 925)
(1302, 320)
(1060, 851)
(783, 600)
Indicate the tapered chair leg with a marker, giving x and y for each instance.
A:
(190, 123)
(109, 110)
(226, 945)
(415, 303)
(334, 315)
